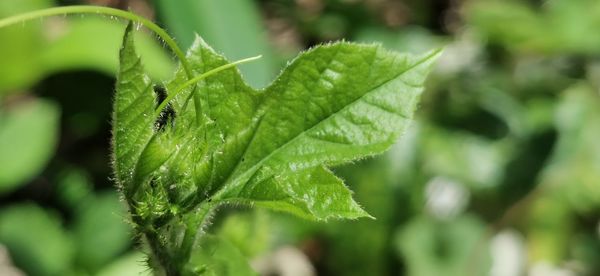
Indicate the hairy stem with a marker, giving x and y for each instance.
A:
(195, 225)
(103, 11)
(174, 258)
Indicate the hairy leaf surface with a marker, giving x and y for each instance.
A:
(232, 144)
(132, 115)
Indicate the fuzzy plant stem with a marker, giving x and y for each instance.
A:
(173, 259)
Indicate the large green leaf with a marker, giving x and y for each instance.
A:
(333, 104)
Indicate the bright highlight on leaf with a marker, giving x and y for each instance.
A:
(236, 145)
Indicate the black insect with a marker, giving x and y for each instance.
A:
(167, 115)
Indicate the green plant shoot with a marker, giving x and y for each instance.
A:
(238, 146)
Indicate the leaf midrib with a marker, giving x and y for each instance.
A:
(229, 184)
(256, 124)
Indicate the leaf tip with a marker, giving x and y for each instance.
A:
(431, 56)
(437, 52)
(361, 213)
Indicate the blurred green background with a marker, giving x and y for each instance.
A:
(499, 174)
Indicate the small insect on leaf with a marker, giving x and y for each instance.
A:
(167, 115)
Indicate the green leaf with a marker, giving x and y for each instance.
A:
(93, 43)
(131, 264)
(456, 247)
(134, 102)
(39, 49)
(571, 173)
(100, 231)
(73, 186)
(35, 239)
(473, 160)
(250, 231)
(28, 134)
(311, 193)
(19, 54)
(235, 145)
(557, 26)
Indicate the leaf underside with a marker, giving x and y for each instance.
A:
(232, 144)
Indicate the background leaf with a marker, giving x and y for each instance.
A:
(36, 240)
(100, 230)
(28, 137)
(93, 43)
(558, 26)
(20, 58)
(132, 264)
(38, 49)
(435, 247)
(215, 256)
